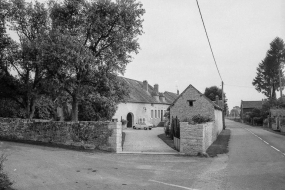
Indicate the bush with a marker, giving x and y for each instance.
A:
(166, 128)
(5, 182)
(197, 119)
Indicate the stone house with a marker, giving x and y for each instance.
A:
(145, 103)
(248, 106)
(192, 102)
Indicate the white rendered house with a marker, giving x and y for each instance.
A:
(145, 103)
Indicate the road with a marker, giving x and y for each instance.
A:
(255, 161)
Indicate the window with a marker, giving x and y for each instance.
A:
(158, 113)
(155, 113)
(151, 113)
(191, 102)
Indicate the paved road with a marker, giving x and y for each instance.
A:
(145, 141)
(250, 164)
(256, 160)
(45, 168)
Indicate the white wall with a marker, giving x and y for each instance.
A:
(140, 110)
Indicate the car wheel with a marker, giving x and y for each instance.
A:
(145, 128)
(150, 128)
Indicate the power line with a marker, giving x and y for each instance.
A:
(239, 86)
(208, 39)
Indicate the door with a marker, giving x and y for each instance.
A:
(161, 115)
(130, 120)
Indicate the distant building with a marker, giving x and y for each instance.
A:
(145, 103)
(248, 106)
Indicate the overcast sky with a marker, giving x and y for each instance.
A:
(175, 52)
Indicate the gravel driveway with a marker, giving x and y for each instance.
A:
(145, 141)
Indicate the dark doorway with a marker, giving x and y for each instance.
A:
(161, 115)
(130, 120)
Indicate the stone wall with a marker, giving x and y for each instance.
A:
(84, 134)
(197, 138)
(201, 105)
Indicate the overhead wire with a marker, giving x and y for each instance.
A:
(209, 40)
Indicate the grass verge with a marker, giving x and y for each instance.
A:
(167, 140)
(5, 183)
(220, 146)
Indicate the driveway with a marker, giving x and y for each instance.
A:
(138, 140)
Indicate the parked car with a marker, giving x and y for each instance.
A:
(143, 125)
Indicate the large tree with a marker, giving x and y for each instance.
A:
(21, 68)
(89, 44)
(267, 75)
(214, 91)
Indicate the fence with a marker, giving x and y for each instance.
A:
(175, 130)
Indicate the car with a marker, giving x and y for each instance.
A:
(143, 125)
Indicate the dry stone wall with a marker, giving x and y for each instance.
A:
(87, 134)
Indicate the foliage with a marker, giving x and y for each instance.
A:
(167, 115)
(197, 119)
(175, 128)
(214, 91)
(89, 41)
(267, 75)
(21, 71)
(5, 182)
(9, 108)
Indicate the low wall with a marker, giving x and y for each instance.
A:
(88, 134)
(197, 138)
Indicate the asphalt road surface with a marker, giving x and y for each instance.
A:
(255, 160)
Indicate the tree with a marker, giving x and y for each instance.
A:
(22, 72)
(90, 42)
(267, 75)
(214, 91)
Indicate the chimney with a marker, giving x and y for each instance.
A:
(145, 85)
(156, 88)
(161, 97)
(177, 92)
(217, 100)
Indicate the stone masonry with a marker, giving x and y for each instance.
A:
(201, 105)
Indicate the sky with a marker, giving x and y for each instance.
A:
(175, 52)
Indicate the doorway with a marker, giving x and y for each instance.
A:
(130, 120)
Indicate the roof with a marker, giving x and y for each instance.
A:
(139, 95)
(251, 104)
(277, 112)
(215, 105)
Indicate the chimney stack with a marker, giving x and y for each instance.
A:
(156, 88)
(177, 92)
(145, 85)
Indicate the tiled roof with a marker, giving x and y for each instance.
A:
(251, 104)
(139, 95)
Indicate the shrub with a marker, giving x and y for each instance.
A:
(197, 119)
(5, 182)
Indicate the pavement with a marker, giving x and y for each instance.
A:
(145, 141)
(256, 160)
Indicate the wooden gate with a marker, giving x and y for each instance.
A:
(175, 132)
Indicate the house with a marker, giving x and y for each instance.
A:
(248, 106)
(191, 102)
(145, 103)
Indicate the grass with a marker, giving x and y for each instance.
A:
(220, 146)
(5, 183)
(167, 140)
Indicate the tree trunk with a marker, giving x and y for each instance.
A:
(74, 109)
(32, 109)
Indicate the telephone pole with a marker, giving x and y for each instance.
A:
(223, 106)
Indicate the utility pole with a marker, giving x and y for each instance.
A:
(223, 108)
(280, 60)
